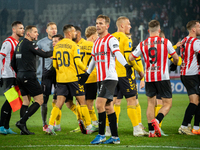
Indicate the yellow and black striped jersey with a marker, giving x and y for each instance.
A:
(125, 46)
(85, 52)
(66, 56)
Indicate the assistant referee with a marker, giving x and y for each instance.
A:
(24, 64)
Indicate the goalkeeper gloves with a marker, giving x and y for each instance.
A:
(172, 67)
(82, 78)
(128, 70)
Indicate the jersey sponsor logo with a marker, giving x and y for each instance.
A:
(78, 51)
(18, 55)
(129, 44)
(115, 46)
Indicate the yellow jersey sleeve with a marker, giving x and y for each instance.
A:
(55, 65)
(179, 60)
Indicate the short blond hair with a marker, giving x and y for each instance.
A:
(51, 23)
(154, 25)
(90, 31)
(119, 20)
(107, 19)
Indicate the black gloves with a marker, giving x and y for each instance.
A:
(1, 82)
(83, 78)
(128, 70)
(172, 67)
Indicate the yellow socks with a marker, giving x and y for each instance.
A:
(117, 109)
(132, 114)
(79, 114)
(157, 108)
(53, 104)
(54, 114)
(93, 114)
(86, 115)
(58, 118)
(138, 109)
(73, 109)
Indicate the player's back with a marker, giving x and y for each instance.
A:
(85, 52)
(125, 46)
(65, 52)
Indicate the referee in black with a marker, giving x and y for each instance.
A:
(24, 64)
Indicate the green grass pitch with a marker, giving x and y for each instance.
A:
(67, 140)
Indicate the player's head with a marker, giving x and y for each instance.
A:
(154, 26)
(102, 23)
(78, 30)
(123, 25)
(31, 32)
(18, 28)
(51, 29)
(56, 38)
(70, 32)
(91, 33)
(193, 27)
(162, 34)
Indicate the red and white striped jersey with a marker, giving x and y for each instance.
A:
(189, 52)
(103, 53)
(7, 51)
(155, 52)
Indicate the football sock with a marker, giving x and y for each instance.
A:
(79, 114)
(93, 114)
(30, 111)
(86, 115)
(117, 109)
(132, 114)
(160, 117)
(151, 128)
(53, 104)
(73, 109)
(157, 108)
(54, 113)
(23, 110)
(58, 118)
(189, 112)
(44, 113)
(113, 124)
(102, 122)
(197, 116)
(138, 109)
(6, 114)
(107, 122)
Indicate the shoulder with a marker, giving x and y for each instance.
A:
(45, 39)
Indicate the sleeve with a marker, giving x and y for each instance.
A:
(139, 63)
(114, 45)
(77, 58)
(120, 58)
(39, 44)
(127, 49)
(197, 46)
(36, 50)
(55, 64)
(91, 66)
(137, 52)
(170, 48)
(175, 47)
(6, 48)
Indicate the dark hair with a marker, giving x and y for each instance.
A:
(29, 27)
(77, 28)
(191, 24)
(66, 27)
(59, 36)
(16, 23)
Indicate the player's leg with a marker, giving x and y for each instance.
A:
(196, 129)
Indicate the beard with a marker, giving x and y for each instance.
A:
(19, 35)
(74, 39)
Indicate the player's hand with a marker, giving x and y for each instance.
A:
(142, 84)
(128, 70)
(1, 82)
(178, 44)
(82, 78)
(172, 67)
(141, 74)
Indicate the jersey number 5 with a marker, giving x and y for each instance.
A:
(63, 58)
(153, 55)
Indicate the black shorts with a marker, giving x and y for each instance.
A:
(47, 81)
(160, 87)
(91, 91)
(191, 84)
(28, 84)
(158, 96)
(8, 83)
(106, 89)
(127, 87)
(72, 88)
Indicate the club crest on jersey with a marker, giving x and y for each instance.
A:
(78, 51)
(129, 44)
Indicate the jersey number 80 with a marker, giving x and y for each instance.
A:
(63, 58)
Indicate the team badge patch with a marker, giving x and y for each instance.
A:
(78, 51)
(129, 44)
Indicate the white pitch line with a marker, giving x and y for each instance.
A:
(125, 146)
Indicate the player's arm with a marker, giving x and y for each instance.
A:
(172, 52)
(178, 44)
(77, 59)
(36, 50)
(140, 65)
